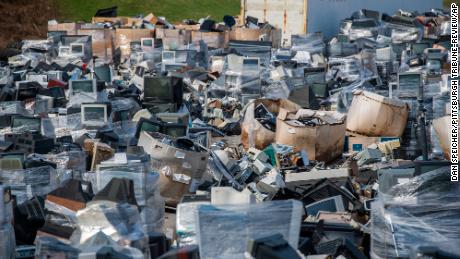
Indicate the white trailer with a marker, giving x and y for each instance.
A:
(306, 16)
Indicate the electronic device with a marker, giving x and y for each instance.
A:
(174, 117)
(37, 78)
(82, 86)
(77, 49)
(25, 123)
(168, 56)
(104, 73)
(147, 44)
(391, 177)
(251, 64)
(55, 75)
(86, 40)
(419, 48)
(26, 90)
(64, 51)
(171, 129)
(409, 82)
(433, 53)
(94, 114)
(332, 204)
(273, 247)
(384, 54)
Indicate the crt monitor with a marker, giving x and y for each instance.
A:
(104, 73)
(148, 125)
(24, 123)
(419, 48)
(77, 49)
(174, 130)
(87, 86)
(94, 114)
(409, 81)
(158, 88)
(332, 204)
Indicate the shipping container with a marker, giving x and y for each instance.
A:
(306, 16)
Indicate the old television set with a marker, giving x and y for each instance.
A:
(251, 64)
(41, 78)
(147, 125)
(168, 56)
(82, 86)
(332, 204)
(104, 73)
(55, 75)
(419, 48)
(64, 51)
(77, 49)
(171, 129)
(94, 114)
(11, 161)
(158, 88)
(26, 90)
(25, 123)
(433, 54)
(147, 44)
(409, 82)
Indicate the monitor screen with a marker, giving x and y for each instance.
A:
(103, 73)
(175, 130)
(25, 123)
(94, 113)
(419, 48)
(86, 86)
(158, 88)
(409, 81)
(332, 204)
(169, 55)
(147, 42)
(77, 48)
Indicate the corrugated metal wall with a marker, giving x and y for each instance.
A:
(299, 16)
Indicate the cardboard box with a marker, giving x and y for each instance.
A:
(253, 133)
(357, 143)
(322, 142)
(70, 27)
(179, 168)
(102, 42)
(122, 19)
(213, 39)
(374, 115)
(442, 129)
(247, 34)
(173, 38)
(124, 36)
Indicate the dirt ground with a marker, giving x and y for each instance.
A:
(24, 19)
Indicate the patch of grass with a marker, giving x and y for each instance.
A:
(173, 10)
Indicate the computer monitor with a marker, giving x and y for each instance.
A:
(419, 48)
(24, 123)
(94, 114)
(391, 177)
(64, 51)
(55, 35)
(26, 90)
(147, 44)
(55, 75)
(147, 125)
(168, 56)
(251, 64)
(384, 54)
(77, 49)
(37, 78)
(174, 129)
(409, 81)
(104, 72)
(82, 86)
(158, 88)
(433, 53)
(332, 204)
